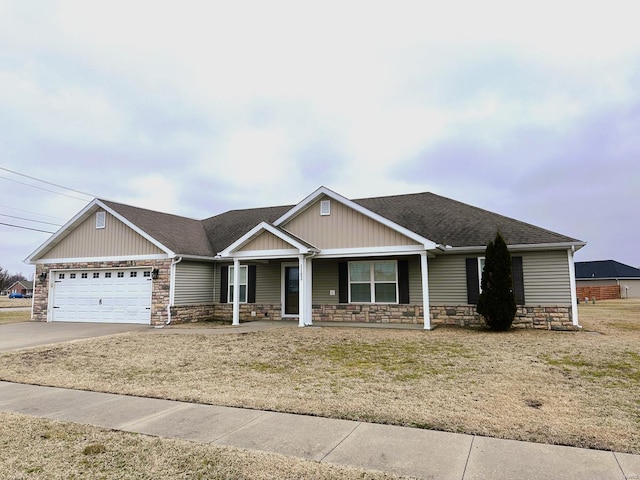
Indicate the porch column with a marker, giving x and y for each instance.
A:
(308, 288)
(574, 293)
(236, 292)
(424, 270)
(302, 286)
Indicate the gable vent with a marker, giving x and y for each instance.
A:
(101, 219)
(325, 207)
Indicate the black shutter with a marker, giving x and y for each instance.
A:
(251, 284)
(473, 284)
(518, 280)
(224, 283)
(403, 281)
(343, 282)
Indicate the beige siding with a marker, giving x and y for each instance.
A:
(194, 283)
(447, 280)
(116, 239)
(344, 228)
(546, 278)
(266, 241)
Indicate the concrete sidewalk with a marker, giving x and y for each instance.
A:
(399, 450)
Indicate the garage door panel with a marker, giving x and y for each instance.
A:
(116, 296)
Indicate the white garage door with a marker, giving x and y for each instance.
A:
(108, 296)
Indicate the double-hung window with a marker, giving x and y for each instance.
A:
(373, 282)
(242, 284)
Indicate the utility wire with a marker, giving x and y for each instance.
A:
(48, 183)
(35, 213)
(41, 188)
(25, 228)
(29, 220)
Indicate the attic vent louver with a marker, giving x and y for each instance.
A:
(325, 207)
(101, 219)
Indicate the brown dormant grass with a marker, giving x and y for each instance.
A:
(5, 301)
(38, 448)
(572, 388)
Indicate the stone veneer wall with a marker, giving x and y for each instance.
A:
(159, 292)
(549, 318)
(224, 312)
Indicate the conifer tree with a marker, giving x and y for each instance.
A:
(496, 302)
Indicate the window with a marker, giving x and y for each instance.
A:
(84, 275)
(373, 282)
(61, 276)
(480, 272)
(242, 284)
(96, 274)
(120, 274)
(107, 275)
(147, 273)
(72, 275)
(101, 219)
(325, 207)
(133, 274)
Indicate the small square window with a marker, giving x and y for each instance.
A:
(84, 275)
(72, 275)
(61, 276)
(120, 274)
(133, 274)
(147, 274)
(325, 207)
(107, 275)
(96, 274)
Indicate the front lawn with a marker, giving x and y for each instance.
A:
(572, 388)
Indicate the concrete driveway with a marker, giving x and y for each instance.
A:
(14, 336)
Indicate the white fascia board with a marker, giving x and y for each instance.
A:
(514, 248)
(371, 252)
(255, 231)
(425, 243)
(267, 253)
(123, 258)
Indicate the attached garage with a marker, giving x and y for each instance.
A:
(101, 295)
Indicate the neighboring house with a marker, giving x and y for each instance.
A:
(25, 287)
(400, 259)
(606, 280)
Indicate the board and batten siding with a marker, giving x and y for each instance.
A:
(343, 228)
(115, 239)
(194, 283)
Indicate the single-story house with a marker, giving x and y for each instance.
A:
(25, 287)
(606, 280)
(413, 258)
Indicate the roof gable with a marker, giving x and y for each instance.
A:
(278, 242)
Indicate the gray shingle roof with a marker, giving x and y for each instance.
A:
(605, 269)
(440, 219)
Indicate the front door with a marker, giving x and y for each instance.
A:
(291, 290)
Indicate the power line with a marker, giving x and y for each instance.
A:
(29, 220)
(28, 211)
(25, 228)
(48, 183)
(41, 188)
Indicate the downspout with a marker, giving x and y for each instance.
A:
(172, 287)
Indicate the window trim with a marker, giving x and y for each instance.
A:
(481, 262)
(101, 220)
(230, 284)
(372, 282)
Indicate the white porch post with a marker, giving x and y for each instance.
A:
(574, 293)
(302, 286)
(424, 270)
(308, 301)
(236, 292)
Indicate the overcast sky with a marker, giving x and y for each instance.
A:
(195, 108)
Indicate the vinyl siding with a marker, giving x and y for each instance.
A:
(546, 278)
(447, 280)
(116, 239)
(268, 281)
(265, 241)
(194, 283)
(325, 279)
(344, 228)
